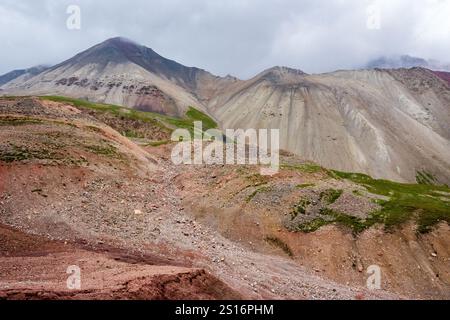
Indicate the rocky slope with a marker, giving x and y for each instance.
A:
(391, 124)
(387, 123)
(305, 233)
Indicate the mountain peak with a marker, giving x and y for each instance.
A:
(406, 61)
(120, 40)
(123, 51)
(280, 74)
(285, 70)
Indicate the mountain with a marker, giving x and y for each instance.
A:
(443, 75)
(119, 71)
(22, 73)
(389, 123)
(406, 61)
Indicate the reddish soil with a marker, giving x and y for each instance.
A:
(443, 75)
(33, 267)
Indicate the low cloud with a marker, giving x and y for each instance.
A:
(239, 37)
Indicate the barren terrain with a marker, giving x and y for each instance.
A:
(74, 191)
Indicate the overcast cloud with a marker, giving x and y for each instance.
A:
(238, 37)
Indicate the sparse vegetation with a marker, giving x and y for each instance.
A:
(426, 204)
(356, 224)
(330, 196)
(312, 225)
(405, 201)
(254, 193)
(132, 134)
(14, 153)
(277, 242)
(300, 208)
(14, 121)
(107, 150)
(304, 185)
(94, 129)
(257, 179)
(330, 216)
(305, 167)
(158, 143)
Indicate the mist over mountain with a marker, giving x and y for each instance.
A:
(406, 61)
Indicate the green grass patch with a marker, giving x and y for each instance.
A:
(108, 150)
(132, 134)
(305, 167)
(192, 115)
(300, 208)
(304, 185)
(254, 193)
(20, 153)
(312, 225)
(158, 143)
(9, 121)
(196, 115)
(405, 201)
(330, 196)
(329, 216)
(356, 224)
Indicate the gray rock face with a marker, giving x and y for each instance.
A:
(387, 123)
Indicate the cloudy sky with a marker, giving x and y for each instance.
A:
(238, 37)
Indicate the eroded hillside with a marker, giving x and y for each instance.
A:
(305, 233)
(389, 124)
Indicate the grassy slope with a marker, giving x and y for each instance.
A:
(153, 118)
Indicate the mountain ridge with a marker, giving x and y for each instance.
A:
(30, 72)
(389, 123)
